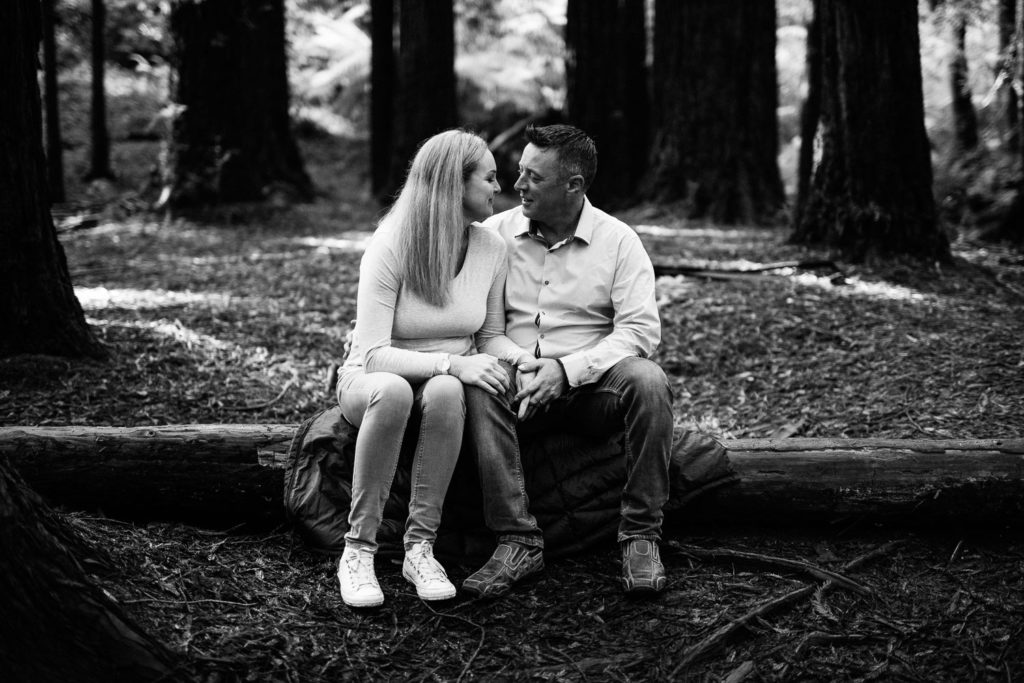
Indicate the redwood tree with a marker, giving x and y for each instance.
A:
(38, 309)
(1008, 51)
(99, 157)
(965, 118)
(58, 624)
(425, 94)
(871, 190)
(54, 141)
(382, 93)
(606, 90)
(1011, 227)
(810, 115)
(231, 136)
(715, 97)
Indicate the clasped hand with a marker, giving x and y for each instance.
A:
(481, 370)
(539, 382)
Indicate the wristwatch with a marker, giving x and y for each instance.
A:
(445, 364)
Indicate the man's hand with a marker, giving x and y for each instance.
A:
(526, 408)
(545, 381)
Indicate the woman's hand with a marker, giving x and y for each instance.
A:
(480, 370)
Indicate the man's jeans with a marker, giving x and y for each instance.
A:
(632, 398)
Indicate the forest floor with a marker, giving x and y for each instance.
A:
(235, 316)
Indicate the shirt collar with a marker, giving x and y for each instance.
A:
(584, 228)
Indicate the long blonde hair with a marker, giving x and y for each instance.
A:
(427, 216)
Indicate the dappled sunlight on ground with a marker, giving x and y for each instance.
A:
(353, 241)
(854, 286)
(99, 298)
(173, 330)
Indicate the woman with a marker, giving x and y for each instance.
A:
(431, 287)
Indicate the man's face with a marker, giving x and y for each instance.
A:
(541, 185)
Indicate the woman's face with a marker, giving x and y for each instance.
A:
(481, 186)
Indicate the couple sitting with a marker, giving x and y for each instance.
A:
(540, 318)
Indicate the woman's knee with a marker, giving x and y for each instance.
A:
(444, 392)
(391, 393)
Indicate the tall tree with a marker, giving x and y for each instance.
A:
(38, 309)
(810, 115)
(1008, 56)
(54, 141)
(1012, 225)
(715, 99)
(99, 157)
(382, 92)
(425, 98)
(231, 137)
(871, 190)
(965, 118)
(58, 624)
(606, 90)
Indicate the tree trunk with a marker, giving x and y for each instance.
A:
(231, 137)
(425, 102)
(965, 118)
(382, 93)
(1007, 93)
(871, 192)
(99, 157)
(606, 83)
(38, 309)
(715, 110)
(1011, 227)
(810, 116)
(225, 475)
(54, 143)
(57, 624)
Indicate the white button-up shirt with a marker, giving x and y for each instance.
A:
(588, 300)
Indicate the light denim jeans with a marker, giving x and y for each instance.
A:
(632, 398)
(380, 404)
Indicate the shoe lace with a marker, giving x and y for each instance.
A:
(360, 569)
(424, 564)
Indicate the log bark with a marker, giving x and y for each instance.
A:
(226, 475)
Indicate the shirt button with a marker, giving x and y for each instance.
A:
(547, 282)
(542, 336)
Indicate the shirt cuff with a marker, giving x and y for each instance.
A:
(576, 368)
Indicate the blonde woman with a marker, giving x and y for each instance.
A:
(429, 319)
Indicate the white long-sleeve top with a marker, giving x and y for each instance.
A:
(398, 332)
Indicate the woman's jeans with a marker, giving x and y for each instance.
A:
(379, 405)
(632, 398)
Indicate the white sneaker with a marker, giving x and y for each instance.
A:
(359, 587)
(423, 571)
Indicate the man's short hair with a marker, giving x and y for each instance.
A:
(577, 153)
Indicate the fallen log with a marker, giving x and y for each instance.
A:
(223, 475)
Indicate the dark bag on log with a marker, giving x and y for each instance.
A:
(574, 483)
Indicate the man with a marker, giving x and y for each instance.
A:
(580, 302)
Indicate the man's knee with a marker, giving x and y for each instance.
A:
(644, 378)
(481, 402)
